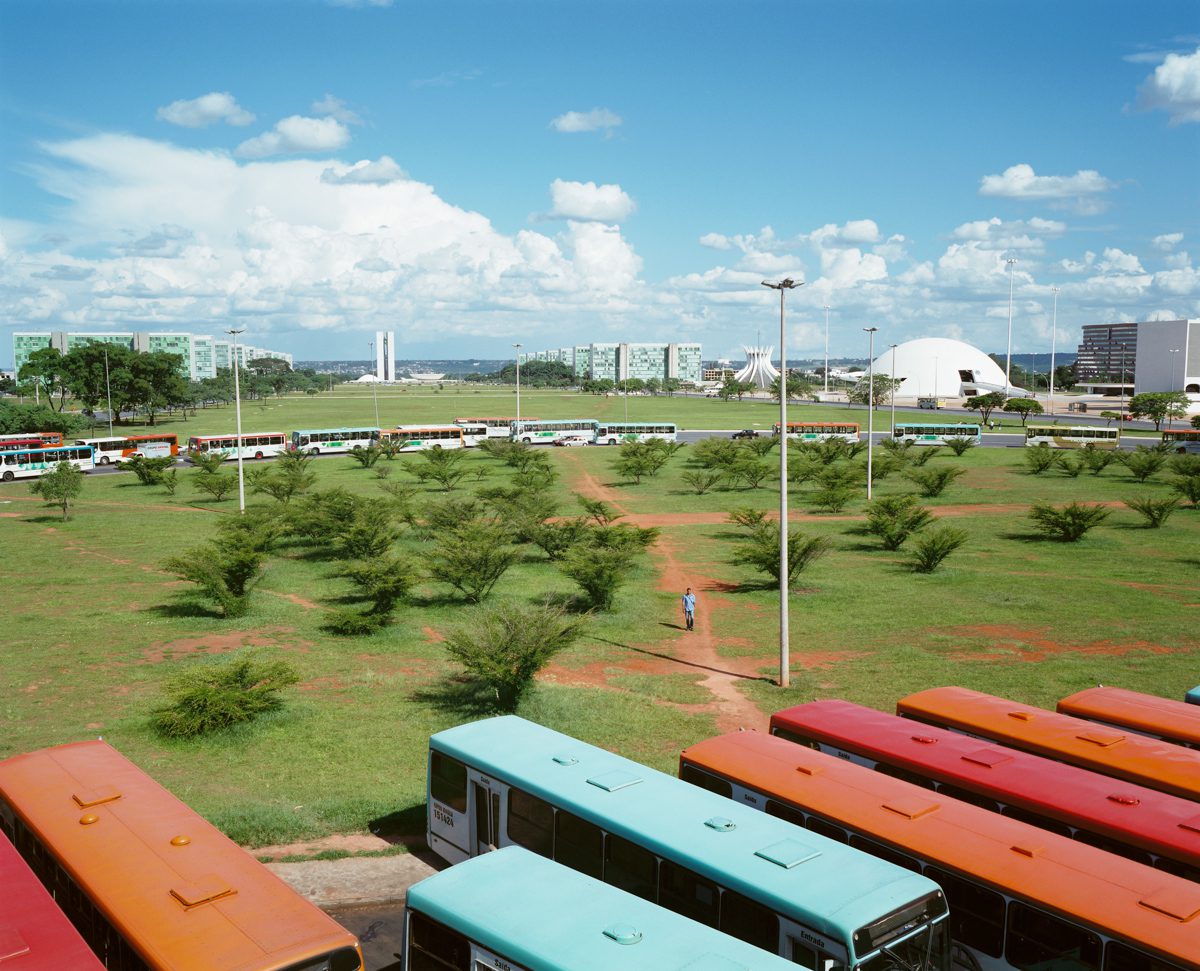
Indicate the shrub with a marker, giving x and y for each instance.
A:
(505, 646)
(287, 476)
(1067, 523)
(169, 481)
(1096, 460)
(472, 558)
(439, 465)
(1185, 465)
(923, 455)
(748, 518)
(600, 511)
(761, 551)
(598, 571)
(1188, 487)
(759, 447)
(715, 453)
(149, 471)
(370, 533)
(366, 457)
(932, 547)
(216, 484)
(637, 459)
(894, 518)
(59, 486)
(207, 461)
(208, 697)
(933, 482)
(960, 445)
(750, 471)
(225, 570)
(1142, 462)
(1154, 510)
(555, 539)
(832, 498)
(702, 480)
(1071, 465)
(1041, 458)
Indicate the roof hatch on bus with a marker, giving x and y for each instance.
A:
(202, 891)
(12, 944)
(1192, 824)
(911, 807)
(788, 853)
(989, 758)
(1182, 905)
(86, 798)
(612, 781)
(1103, 739)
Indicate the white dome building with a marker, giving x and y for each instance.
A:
(759, 370)
(939, 367)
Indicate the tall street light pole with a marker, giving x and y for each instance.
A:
(1053, 346)
(108, 391)
(784, 662)
(827, 348)
(870, 401)
(893, 391)
(1008, 360)
(237, 405)
(517, 355)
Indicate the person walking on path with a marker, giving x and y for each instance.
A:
(689, 609)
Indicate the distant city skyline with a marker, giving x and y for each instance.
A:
(474, 175)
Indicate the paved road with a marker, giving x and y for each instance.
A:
(378, 929)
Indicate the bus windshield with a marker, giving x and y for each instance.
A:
(927, 945)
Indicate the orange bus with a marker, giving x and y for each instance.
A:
(149, 884)
(120, 448)
(1117, 753)
(1152, 827)
(1019, 897)
(1171, 721)
(34, 933)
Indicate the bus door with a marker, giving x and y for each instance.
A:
(485, 813)
(812, 950)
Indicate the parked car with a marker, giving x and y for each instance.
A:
(571, 441)
(747, 433)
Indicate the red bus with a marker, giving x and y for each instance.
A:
(1152, 827)
(1171, 721)
(46, 438)
(1020, 898)
(17, 444)
(34, 933)
(120, 448)
(1120, 754)
(148, 882)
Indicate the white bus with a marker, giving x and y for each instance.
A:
(474, 432)
(417, 438)
(1073, 436)
(819, 431)
(1182, 439)
(935, 434)
(613, 433)
(32, 463)
(319, 441)
(122, 447)
(547, 432)
(496, 427)
(253, 445)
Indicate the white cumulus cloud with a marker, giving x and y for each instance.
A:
(296, 135)
(365, 173)
(1021, 182)
(331, 107)
(589, 202)
(206, 110)
(598, 119)
(1167, 241)
(1174, 87)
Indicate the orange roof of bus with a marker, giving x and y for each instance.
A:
(1150, 714)
(1147, 906)
(1109, 751)
(34, 933)
(178, 890)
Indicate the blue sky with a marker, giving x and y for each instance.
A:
(472, 174)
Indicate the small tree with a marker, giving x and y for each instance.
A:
(505, 646)
(1023, 407)
(598, 571)
(1188, 487)
(556, 539)
(366, 457)
(207, 461)
(1069, 523)
(750, 471)
(1096, 460)
(208, 697)
(933, 482)
(369, 534)
(287, 476)
(985, 404)
(225, 570)
(1158, 406)
(59, 486)
(879, 390)
(1041, 458)
(894, 518)
(638, 459)
(472, 558)
(701, 480)
(1142, 462)
(924, 455)
(715, 453)
(749, 518)
(216, 484)
(149, 471)
(383, 581)
(598, 510)
(933, 546)
(761, 447)
(1154, 510)
(439, 465)
(761, 551)
(960, 445)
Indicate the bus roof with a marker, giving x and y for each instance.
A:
(673, 818)
(1156, 821)
(1141, 712)
(180, 891)
(309, 431)
(205, 438)
(545, 916)
(1123, 754)
(32, 928)
(1133, 901)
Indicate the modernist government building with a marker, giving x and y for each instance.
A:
(201, 355)
(621, 362)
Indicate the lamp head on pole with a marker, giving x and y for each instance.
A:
(787, 283)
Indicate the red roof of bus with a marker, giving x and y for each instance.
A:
(34, 933)
(1121, 754)
(1157, 822)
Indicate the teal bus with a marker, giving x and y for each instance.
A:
(516, 910)
(320, 441)
(935, 434)
(797, 894)
(549, 431)
(616, 432)
(32, 463)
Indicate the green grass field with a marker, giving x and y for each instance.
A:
(94, 626)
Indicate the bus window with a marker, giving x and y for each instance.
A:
(976, 913)
(885, 853)
(629, 867)
(578, 844)
(1037, 938)
(448, 782)
(1121, 957)
(828, 830)
(749, 921)
(684, 892)
(974, 798)
(1112, 846)
(784, 811)
(903, 774)
(1035, 819)
(432, 947)
(530, 822)
(698, 777)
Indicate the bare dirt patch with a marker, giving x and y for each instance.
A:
(432, 636)
(1029, 644)
(294, 598)
(351, 843)
(223, 644)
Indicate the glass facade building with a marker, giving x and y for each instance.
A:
(619, 362)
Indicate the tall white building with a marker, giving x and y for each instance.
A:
(385, 355)
(1168, 357)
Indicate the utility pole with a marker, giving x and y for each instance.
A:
(1008, 360)
(870, 402)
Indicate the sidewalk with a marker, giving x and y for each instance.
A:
(357, 880)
